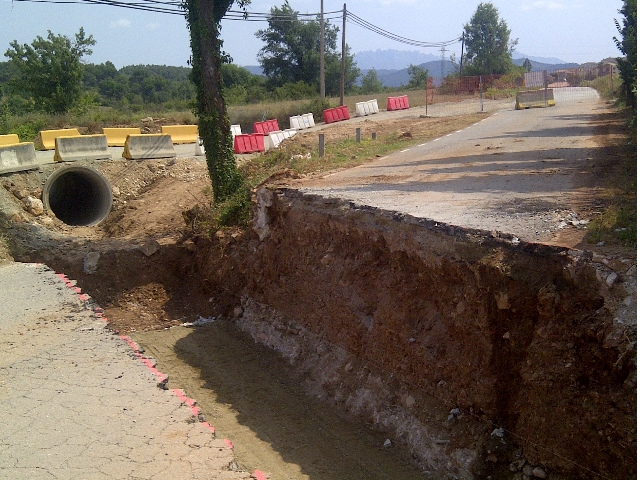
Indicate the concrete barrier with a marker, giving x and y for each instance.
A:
(154, 145)
(301, 122)
(18, 157)
(82, 147)
(181, 133)
(116, 136)
(534, 98)
(9, 139)
(47, 138)
(276, 138)
(367, 108)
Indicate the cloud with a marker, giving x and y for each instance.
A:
(121, 23)
(545, 5)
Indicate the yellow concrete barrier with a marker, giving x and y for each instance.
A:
(82, 147)
(116, 136)
(47, 138)
(18, 157)
(9, 139)
(535, 98)
(138, 147)
(181, 133)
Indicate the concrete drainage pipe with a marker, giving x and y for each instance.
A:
(78, 196)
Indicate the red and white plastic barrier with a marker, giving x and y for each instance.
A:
(266, 127)
(367, 108)
(336, 114)
(398, 103)
(300, 122)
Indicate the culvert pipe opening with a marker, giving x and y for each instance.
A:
(78, 196)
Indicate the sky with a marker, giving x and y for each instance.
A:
(577, 31)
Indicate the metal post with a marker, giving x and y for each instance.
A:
(374, 135)
(546, 86)
(481, 104)
(321, 144)
(358, 135)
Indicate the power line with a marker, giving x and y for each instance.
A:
(417, 43)
(174, 7)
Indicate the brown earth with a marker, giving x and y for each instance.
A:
(155, 271)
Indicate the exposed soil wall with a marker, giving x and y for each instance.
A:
(487, 356)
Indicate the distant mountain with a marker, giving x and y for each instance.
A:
(391, 59)
(548, 60)
(538, 66)
(254, 69)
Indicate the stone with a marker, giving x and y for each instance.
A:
(409, 401)
(527, 470)
(539, 473)
(115, 191)
(90, 262)
(517, 465)
(34, 205)
(611, 278)
(150, 247)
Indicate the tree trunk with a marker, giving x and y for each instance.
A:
(204, 18)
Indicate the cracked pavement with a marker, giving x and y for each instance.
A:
(76, 401)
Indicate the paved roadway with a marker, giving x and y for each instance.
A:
(77, 401)
(517, 172)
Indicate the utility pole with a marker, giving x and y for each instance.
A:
(462, 54)
(322, 50)
(442, 63)
(344, 46)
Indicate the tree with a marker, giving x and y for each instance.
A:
(292, 51)
(486, 38)
(50, 70)
(527, 65)
(418, 78)
(371, 83)
(203, 20)
(627, 45)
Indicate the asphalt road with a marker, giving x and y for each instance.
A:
(515, 172)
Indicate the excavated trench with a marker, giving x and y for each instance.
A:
(485, 356)
(482, 355)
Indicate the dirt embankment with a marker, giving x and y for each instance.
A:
(483, 356)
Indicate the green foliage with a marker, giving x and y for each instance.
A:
(628, 65)
(49, 71)
(487, 43)
(370, 83)
(418, 78)
(292, 52)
